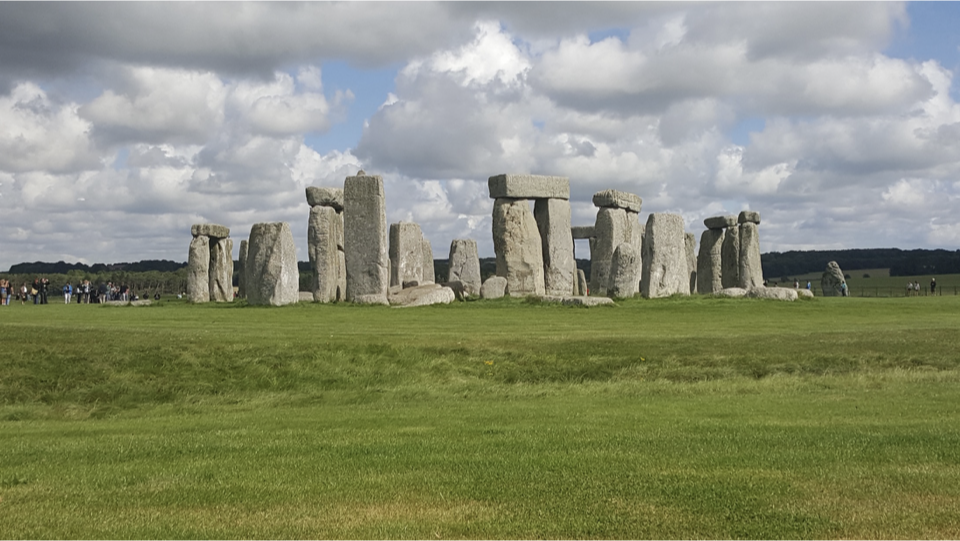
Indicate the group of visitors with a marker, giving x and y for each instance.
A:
(6, 292)
(83, 293)
(913, 289)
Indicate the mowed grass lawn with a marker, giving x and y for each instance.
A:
(671, 418)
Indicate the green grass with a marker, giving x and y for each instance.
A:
(681, 417)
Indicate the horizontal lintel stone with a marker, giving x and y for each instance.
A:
(529, 187)
(210, 230)
(325, 197)
(720, 222)
(618, 200)
(583, 231)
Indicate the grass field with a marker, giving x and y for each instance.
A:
(682, 417)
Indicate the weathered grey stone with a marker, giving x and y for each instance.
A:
(458, 290)
(559, 266)
(618, 200)
(342, 277)
(582, 287)
(733, 292)
(636, 237)
(578, 300)
(411, 283)
(720, 222)
(583, 231)
(709, 269)
(832, 280)
(221, 270)
(528, 187)
(365, 239)
(305, 296)
(241, 265)
(613, 228)
(774, 293)
(272, 274)
(210, 230)
(623, 272)
(751, 271)
(516, 241)
(749, 217)
(198, 270)
(730, 258)
(325, 197)
(322, 232)
(406, 253)
(691, 244)
(422, 296)
(665, 259)
(464, 265)
(804, 293)
(493, 288)
(429, 273)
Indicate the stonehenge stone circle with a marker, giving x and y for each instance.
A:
(241, 265)
(272, 276)
(493, 288)
(730, 257)
(325, 197)
(750, 272)
(709, 277)
(664, 260)
(720, 222)
(691, 245)
(516, 241)
(623, 272)
(365, 239)
(832, 280)
(221, 270)
(198, 270)
(559, 267)
(618, 200)
(406, 253)
(429, 273)
(528, 187)
(748, 217)
(464, 265)
(322, 232)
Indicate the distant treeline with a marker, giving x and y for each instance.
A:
(900, 262)
(38, 267)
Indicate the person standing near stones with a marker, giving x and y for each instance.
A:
(23, 293)
(933, 286)
(67, 293)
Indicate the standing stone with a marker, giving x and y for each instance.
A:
(365, 239)
(241, 265)
(464, 265)
(709, 270)
(221, 270)
(342, 277)
(623, 271)
(612, 229)
(832, 280)
(406, 253)
(429, 273)
(322, 232)
(582, 288)
(751, 271)
(559, 266)
(198, 274)
(516, 241)
(494, 288)
(691, 244)
(271, 269)
(730, 258)
(665, 260)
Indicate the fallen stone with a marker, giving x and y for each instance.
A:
(323, 230)
(272, 274)
(750, 273)
(458, 290)
(583, 231)
(464, 265)
(733, 292)
(709, 269)
(578, 300)
(411, 283)
(516, 242)
(365, 239)
(774, 293)
(623, 272)
(749, 217)
(730, 258)
(305, 296)
(618, 200)
(198, 270)
(720, 222)
(559, 266)
(528, 187)
(221, 270)
(422, 296)
(210, 230)
(325, 197)
(406, 253)
(664, 258)
(804, 293)
(832, 280)
(493, 288)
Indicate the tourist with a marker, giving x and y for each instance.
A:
(23, 293)
(3, 291)
(933, 286)
(67, 293)
(796, 284)
(808, 286)
(843, 289)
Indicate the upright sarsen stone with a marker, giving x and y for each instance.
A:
(322, 232)
(730, 258)
(559, 266)
(664, 260)
(198, 265)
(691, 244)
(516, 241)
(623, 271)
(365, 239)
(751, 271)
(832, 280)
(221, 270)
(406, 253)
(612, 229)
(272, 276)
(241, 265)
(709, 270)
(464, 265)
(429, 273)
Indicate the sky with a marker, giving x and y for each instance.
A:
(121, 124)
